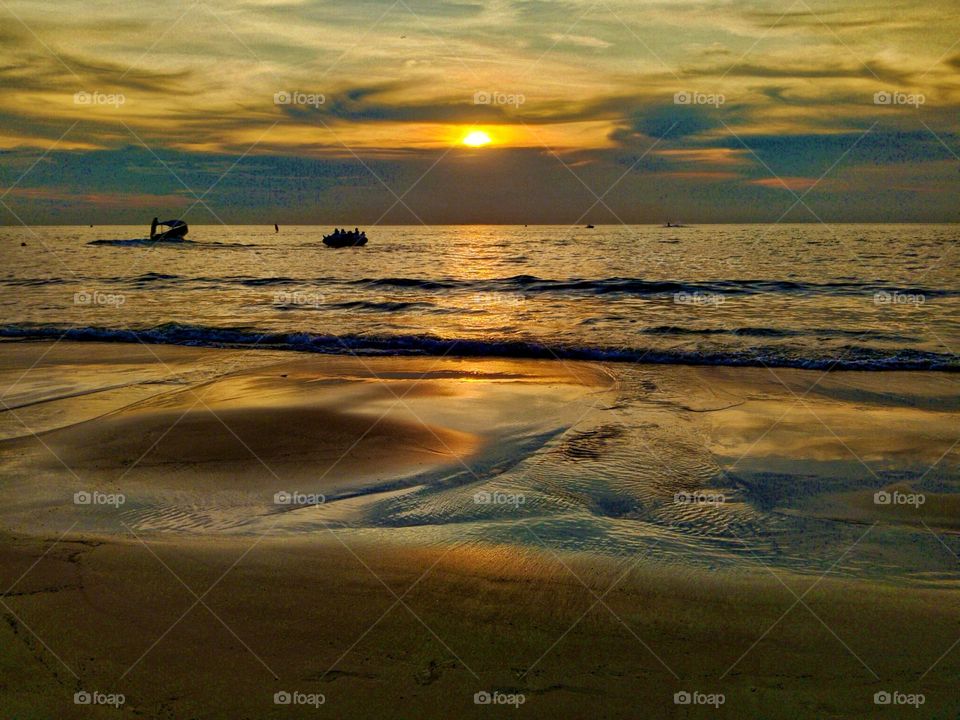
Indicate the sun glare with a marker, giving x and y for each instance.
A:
(477, 138)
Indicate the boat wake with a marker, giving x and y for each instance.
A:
(142, 242)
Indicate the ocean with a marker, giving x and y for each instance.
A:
(742, 464)
(870, 297)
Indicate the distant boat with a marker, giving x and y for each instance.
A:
(345, 238)
(175, 229)
(589, 227)
(673, 225)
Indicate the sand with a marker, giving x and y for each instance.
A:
(323, 617)
(200, 597)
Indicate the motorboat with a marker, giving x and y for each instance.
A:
(168, 230)
(345, 238)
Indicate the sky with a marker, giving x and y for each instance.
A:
(596, 111)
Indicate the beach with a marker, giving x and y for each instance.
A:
(479, 358)
(450, 526)
(326, 620)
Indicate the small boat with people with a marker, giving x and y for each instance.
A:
(168, 229)
(341, 238)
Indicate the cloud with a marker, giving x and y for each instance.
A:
(669, 121)
(820, 70)
(702, 175)
(584, 41)
(598, 83)
(792, 184)
(101, 200)
(805, 155)
(836, 20)
(707, 156)
(66, 72)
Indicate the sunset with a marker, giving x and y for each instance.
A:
(472, 358)
(477, 138)
(708, 104)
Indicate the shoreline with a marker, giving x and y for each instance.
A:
(363, 347)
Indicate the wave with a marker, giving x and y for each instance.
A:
(386, 306)
(777, 333)
(136, 280)
(530, 284)
(850, 357)
(418, 283)
(369, 306)
(638, 286)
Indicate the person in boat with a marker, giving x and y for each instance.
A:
(153, 227)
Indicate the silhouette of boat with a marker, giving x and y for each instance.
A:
(175, 230)
(342, 239)
(589, 227)
(669, 224)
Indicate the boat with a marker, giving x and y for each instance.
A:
(175, 229)
(589, 227)
(669, 224)
(345, 238)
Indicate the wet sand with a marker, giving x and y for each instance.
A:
(203, 440)
(322, 615)
(389, 618)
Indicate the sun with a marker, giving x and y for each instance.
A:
(477, 138)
